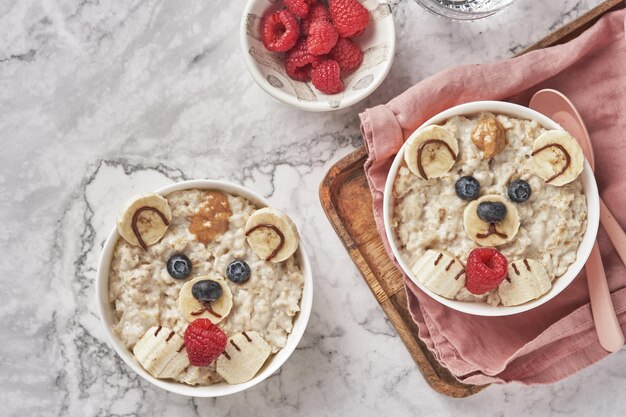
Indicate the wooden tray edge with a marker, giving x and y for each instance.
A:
(413, 344)
(327, 201)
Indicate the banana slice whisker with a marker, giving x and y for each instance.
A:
(527, 280)
(160, 352)
(440, 272)
(243, 357)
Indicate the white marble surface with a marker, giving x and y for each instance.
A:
(102, 99)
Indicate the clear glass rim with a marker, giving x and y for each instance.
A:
(450, 14)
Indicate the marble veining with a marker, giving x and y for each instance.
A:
(100, 100)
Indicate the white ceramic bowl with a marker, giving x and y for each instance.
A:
(219, 389)
(378, 44)
(593, 213)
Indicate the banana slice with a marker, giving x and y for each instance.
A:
(526, 281)
(431, 152)
(245, 354)
(486, 234)
(272, 235)
(216, 311)
(144, 219)
(161, 352)
(557, 157)
(440, 272)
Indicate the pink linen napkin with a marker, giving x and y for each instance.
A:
(557, 339)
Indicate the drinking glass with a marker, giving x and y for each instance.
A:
(464, 9)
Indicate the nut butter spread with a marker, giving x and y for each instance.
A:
(212, 217)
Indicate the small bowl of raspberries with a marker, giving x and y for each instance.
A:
(318, 55)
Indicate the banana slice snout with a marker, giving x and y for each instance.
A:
(557, 157)
(527, 279)
(160, 351)
(272, 235)
(490, 234)
(245, 354)
(440, 272)
(431, 152)
(143, 220)
(216, 311)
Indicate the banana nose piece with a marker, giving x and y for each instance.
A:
(491, 220)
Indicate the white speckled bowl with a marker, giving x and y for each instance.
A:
(378, 44)
(559, 284)
(216, 390)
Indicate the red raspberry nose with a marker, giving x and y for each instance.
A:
(485, 269)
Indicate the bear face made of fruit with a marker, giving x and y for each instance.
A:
(490, 220)
(205, 300)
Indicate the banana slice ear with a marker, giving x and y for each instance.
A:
(160, 351)
(431, 152)
(143, 220)
(527, 279)
(486, 234)
(272, 235)
(216, 311)
(557, 157)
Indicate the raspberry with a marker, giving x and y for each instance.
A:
(299, 62)
(322, 38)
(204, 342)
(349, 17)
(316, 12)
(280, 31)
(325, 77)
(486, 268)
(347, 54)
(299, 8)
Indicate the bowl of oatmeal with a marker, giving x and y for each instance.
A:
(490, 208)
(204, 289)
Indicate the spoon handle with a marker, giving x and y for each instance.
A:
(614, 230)
(609, 331)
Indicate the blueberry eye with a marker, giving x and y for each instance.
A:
(238, 271)
(519, 191)
(179, 266)
(467, 188)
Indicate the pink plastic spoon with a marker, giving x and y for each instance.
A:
(560, 109)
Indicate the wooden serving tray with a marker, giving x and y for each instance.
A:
(347, 201)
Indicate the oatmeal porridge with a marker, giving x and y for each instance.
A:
(204, 284)
(489, 208)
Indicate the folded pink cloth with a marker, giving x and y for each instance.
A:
(557, 339)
